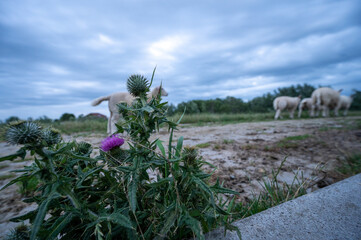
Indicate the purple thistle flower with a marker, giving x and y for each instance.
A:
(111, 142)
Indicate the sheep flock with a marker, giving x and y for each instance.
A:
(322, 99)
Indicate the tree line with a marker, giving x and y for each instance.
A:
(263, 103)
(228, 105)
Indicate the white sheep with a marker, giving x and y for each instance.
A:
(306, 103)
(121, 97)
(325, 98)
(345, 103)
(285, 103)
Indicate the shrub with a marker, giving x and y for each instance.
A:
(12, 119)
(112, 196)
(67, 117)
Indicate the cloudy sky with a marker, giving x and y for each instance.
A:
(57, 56)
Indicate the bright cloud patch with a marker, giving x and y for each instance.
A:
(102, 41)
(167, 48)
(307, 51)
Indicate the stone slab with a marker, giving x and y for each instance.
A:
(333, 212)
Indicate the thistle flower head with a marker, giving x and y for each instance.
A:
(111, 142)
(137, 85)
(51, 136)
(190, 155)
(21, 132)
(83, 148)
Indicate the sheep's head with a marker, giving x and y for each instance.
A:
(160, 90)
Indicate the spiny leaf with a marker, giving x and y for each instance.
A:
(182, 115)
(30, 215)
(20, 153)
(161, 147)
(195, 225)
(59, 225)
(179, 146)
(41, 214)
(118, 218)
(170, 221)
(161, 182)
(232, 228)
(87, 174)
(151, 80)
(18, 179)
(133, 192)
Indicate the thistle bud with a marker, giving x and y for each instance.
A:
(137, 85)
(51, 136)
(21, 132)
(83, 148)
(190, 155)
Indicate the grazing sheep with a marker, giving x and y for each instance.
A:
(285, 103)
(120, 97)
(325, 98)
(306, 103)
(345, 103)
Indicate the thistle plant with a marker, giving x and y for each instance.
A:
(112, 195)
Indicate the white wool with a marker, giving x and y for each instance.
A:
(325, 98)
(345, 103)
(285, 103)
(121, 97)
(306, 104)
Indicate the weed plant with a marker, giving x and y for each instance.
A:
(351, 165)
(112, 195)
(273, 194)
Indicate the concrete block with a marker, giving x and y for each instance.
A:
(333, 212)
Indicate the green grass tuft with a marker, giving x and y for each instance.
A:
(228, 141)
(291, 142)
(351, 166)
(203, 145)
(273, 194)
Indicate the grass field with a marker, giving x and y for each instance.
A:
(95, 126)
(206, 118)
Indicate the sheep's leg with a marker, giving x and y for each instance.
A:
(109, 123)
(324, 111)
(278, 112)
(345, 112)
(113, 128)
(299, 112)
(312, 112)
(336, 111)
(317, 112)
(292, 112)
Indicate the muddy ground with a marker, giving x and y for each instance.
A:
(243, 153)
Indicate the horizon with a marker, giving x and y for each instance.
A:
(164, 100)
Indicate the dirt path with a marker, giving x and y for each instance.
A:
(243, 153)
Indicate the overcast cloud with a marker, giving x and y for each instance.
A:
(57, 56)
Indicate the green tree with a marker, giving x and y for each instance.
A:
(12, 119)
(67, 117)
(44, 119)
(356, 103)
